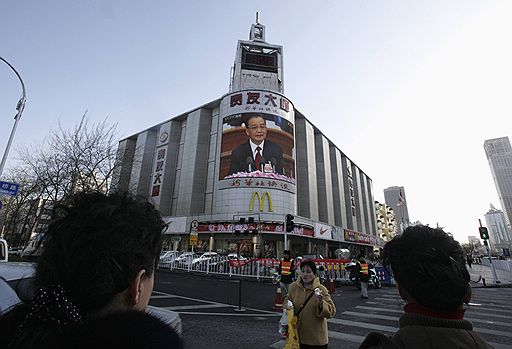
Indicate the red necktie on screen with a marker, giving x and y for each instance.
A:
(257, 159)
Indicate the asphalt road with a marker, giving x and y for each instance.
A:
(207, 308)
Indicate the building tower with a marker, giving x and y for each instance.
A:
(499, 235)
(499, 155)
(258, 64)
(395, 197)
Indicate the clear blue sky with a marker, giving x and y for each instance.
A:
(407, 89)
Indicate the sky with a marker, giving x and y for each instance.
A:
(408, 90)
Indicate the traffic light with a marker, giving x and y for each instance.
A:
(240, 222)
(251, 226)
(289, 223)
(484, 233)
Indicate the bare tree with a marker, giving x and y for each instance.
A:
(82, 158)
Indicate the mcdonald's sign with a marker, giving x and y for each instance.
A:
(261, 199)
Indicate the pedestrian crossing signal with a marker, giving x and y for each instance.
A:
(484, 233)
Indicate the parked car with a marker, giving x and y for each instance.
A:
(16, 284)
(204, 257)
(236, 257)
(15, 251)
(184, 259)
(167, 258)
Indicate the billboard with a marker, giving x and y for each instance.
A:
(257, 137)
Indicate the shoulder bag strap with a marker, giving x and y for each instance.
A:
(304, 304)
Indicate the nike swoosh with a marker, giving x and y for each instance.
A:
(322, 230)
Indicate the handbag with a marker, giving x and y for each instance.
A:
(292, 341)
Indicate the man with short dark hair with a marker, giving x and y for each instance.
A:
(363, 275)
(430, 273)
(257, 151)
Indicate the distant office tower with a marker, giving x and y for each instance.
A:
(499, 155)
(395, 197)
(499, 235)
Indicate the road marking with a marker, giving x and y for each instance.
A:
(479, 313)
(197, 306)
(332, 335)
(272, 313)
(371, 316)
(400, 311)
(488, 322)
(363, 325)
(499, 345)
(230, 314)
(347, 337)
(279, 344)
(496, 332)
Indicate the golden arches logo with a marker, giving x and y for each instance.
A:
(261, 199)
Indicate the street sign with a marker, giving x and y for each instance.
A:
(193, 226)
(193, 240)
(8, 188)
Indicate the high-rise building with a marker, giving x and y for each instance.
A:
(499, 234)
(395, 197)
(499, 155)
(233, 168)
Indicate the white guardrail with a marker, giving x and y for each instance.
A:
(259, 268)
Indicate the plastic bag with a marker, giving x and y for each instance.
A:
(283, 324)
(292, 342)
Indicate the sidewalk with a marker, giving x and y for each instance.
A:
(479, 272)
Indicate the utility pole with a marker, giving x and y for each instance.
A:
(494, 275)
(19, 107)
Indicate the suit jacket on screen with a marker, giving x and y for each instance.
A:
(241, 157)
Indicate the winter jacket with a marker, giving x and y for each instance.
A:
(363, 277)
(427, 332)
(312, 322)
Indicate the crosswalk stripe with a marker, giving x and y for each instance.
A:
(371, 316)
(279, 344)
(499, 345)
(489, 308)
(399, 311)
(346, 337)
(488, 322)
(473, 319)
(479, 313)
(363, 325)
(489, 331)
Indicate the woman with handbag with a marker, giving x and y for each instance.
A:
(312, 306)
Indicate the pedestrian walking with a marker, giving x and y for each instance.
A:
(286, 270)
(312, 306)
(363, 274)
(429, 269)
(469, 260)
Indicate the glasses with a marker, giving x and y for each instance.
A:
(254, 128)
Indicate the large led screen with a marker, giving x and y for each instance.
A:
(257, 145)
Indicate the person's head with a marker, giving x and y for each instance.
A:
(361, 258)
(286, 254)
(428, 266)
(256, 128)
(308, 271)
(102, 251)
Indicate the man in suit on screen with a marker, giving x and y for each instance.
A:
(257, 151)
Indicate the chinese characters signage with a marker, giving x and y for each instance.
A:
(360, 238)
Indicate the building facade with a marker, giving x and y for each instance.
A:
(499, 234)
(395, 198)
(386, 221)
(230, 170)
(499, 155)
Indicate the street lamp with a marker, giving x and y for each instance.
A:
(19, 107)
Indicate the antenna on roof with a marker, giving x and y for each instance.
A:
(257, 17)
